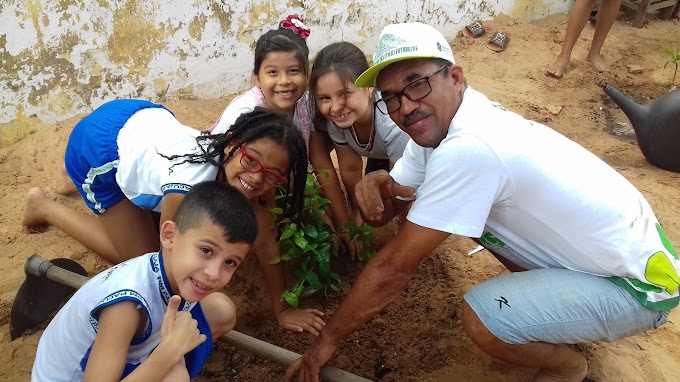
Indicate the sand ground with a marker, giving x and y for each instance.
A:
(419, 337)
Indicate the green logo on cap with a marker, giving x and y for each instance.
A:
(439, 46)
(387, 43)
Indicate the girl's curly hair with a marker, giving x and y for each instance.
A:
(257, 124)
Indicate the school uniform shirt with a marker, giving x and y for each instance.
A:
(65, 345)
(247, 101)
(386, 141)
(145, 173)
(540, 200)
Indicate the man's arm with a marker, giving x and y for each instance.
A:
(380, 282)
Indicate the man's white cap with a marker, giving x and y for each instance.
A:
(400, 42)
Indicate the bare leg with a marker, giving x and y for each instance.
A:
(605, 19)
(578, 17)
(86, 229)
(126, 225)
(66, 187)
(220, 312)
(557, 362)
(131, 229)
(178, 373)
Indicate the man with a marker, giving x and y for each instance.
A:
(598, 266)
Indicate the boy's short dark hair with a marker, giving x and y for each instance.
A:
(224, 206)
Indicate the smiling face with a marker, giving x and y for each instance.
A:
(282, 79)
(427, 119)
(200, 260)
(268, 153)
(343, 103)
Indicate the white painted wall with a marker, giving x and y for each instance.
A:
(64, 57)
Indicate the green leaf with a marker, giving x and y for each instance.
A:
(288, 232)
(291, 299)
(365, 229)
(275, 260)
(301, 242)
(311, 231)
(277, 211)
(313, 280)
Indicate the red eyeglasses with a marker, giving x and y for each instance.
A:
(251, 164)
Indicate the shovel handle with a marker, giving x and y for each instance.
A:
(39, 267)
(285, 357)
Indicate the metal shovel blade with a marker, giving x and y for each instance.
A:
(39, 297)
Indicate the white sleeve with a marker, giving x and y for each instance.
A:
(409, 170)
(462, 181)
(241, 104)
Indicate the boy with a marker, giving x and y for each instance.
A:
(141, 320)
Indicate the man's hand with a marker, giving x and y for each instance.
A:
(299, 320)
(306, 368)
(375, 187)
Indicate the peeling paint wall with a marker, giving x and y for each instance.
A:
(64, 57)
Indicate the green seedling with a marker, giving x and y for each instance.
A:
(310, 244)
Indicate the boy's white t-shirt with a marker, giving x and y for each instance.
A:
(65, 344)
(387, 140)
(537, 198)
(247, 101)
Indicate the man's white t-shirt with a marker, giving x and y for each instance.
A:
(538, 199)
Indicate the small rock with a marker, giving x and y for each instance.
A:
(635, 68)
(378, 321)
(22, 179)
(623, 128)
(343, 362)
(554, 109)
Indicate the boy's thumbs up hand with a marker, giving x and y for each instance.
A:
(179, 330)
(170, 315)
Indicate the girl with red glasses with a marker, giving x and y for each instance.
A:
(131, 157)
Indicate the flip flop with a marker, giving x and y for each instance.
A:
(593, 17)
(474, 30)
(498, 42)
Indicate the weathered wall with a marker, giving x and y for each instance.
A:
(64, 57)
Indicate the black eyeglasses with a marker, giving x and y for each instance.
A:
(414, 91)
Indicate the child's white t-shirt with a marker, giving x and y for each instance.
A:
(65, 345)
(387, 140)
(145, 174)
(247, 101)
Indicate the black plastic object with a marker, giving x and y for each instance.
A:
(656, 125)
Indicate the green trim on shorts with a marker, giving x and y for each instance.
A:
(641, 297)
